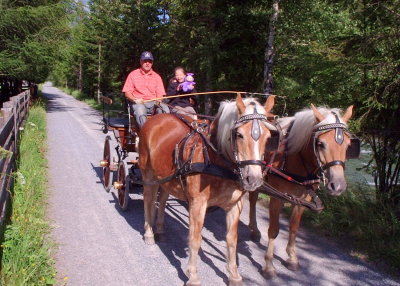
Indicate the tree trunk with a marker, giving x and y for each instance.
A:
(80, 88)
(269, 50)
(99, 75)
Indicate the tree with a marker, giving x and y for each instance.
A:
(31, 32)
(269, 50)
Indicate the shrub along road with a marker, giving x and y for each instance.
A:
(99, 245)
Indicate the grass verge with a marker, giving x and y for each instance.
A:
(115, 110)
(370, 230)
(92, 102)
(26, 258)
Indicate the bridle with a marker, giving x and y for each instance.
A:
(255, 119)
(340, 131)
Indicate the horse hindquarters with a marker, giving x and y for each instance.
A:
(157, 140)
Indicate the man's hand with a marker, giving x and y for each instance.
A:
(138, 101)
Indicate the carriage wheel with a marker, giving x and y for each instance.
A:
(106, 164)
(122, 185)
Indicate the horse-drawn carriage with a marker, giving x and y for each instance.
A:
(125, 144)
(215, 163)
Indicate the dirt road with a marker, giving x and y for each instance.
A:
(99, 245)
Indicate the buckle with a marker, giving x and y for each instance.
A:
(194, 124)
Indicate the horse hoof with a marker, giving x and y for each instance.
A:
(269, 274)
(255, 236)
(160, 237)
(149, 240)
(235, 282)
(293, 266)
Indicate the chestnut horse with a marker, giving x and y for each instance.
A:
(315, 145)
(239, 134)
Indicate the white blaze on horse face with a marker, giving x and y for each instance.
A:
(251, 149)
(329, 150)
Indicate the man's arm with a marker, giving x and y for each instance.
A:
(129, 95)
(128, 89)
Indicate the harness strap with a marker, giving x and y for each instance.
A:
(290, 177)
(271, 191)
(331, 164)
(251, 162)
(318, 202)
(195, 168)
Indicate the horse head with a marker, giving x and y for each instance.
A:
(331, 143)
(249, 135)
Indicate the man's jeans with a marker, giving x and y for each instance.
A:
(140, 111)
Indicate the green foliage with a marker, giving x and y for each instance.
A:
(31, 32)
(334, 53)
(26, 258)
(372, 227)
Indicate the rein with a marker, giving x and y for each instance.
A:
(316, 205)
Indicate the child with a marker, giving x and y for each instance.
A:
(182, 105)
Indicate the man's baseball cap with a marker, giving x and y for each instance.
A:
(146, 56)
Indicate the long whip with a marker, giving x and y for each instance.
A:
(208, 92)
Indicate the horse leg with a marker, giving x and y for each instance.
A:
(149, 199)
(255, 232)
(232, 220)
(160, 232)
(197, 211)
(275, 207)
(292, 262)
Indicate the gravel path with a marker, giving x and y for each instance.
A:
(99, 245)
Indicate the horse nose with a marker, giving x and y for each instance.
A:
(252, 182)
(336, 187)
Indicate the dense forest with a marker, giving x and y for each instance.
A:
(334, 53)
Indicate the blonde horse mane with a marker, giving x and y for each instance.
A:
(304, 123)
(227, 115)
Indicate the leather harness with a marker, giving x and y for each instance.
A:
(187, 167)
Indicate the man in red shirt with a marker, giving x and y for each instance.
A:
(144, 84)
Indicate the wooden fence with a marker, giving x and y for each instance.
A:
(12, 116)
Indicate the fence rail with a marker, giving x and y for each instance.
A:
(12, 116)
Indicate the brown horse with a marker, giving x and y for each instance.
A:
(239, 133)
(315, 145)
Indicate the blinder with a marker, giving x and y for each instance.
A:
(353, 151)
(273, 141)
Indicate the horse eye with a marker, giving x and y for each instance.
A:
(320, 144)
(239, 135)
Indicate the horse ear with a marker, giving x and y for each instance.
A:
(348, 113)
(240, 104)
(317, 114)
(269, 103)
